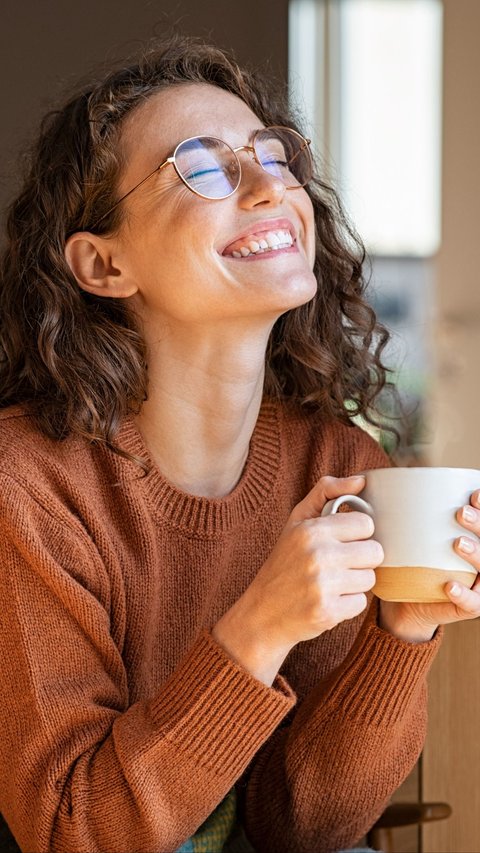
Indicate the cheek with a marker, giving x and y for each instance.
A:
(169, 248)
(186, 251)
(173, 270)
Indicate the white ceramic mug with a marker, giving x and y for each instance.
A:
(414, 513)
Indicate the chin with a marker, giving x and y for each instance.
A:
(285, 302)
(296, 290)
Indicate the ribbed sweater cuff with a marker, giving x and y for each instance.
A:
(218, 712)
(382, 675)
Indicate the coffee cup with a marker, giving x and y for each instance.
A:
(414, 514)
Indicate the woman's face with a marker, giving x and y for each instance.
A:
(178, 247)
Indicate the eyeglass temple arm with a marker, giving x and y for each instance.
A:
(157, 169)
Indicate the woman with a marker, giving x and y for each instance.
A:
(190, 653)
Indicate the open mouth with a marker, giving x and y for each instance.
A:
(260, 243)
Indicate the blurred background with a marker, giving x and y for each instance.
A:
(367, 74)
(389, 90)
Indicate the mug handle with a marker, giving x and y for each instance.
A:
(331, 507)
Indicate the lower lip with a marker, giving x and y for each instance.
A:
(262, 256)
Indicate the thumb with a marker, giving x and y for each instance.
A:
(325, 490)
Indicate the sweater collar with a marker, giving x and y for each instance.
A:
(202, 515)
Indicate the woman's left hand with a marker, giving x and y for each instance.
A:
(417, 622)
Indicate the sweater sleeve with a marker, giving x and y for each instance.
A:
(80, 767)
(322, 780)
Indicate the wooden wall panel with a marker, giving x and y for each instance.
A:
(451, 760)
(451, 765)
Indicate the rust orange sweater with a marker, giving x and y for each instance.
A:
(123, 724)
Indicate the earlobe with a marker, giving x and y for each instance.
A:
(90, 260)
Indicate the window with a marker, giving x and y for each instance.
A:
(367, 76)
(367, 73)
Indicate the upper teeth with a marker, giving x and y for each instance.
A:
(270, 240)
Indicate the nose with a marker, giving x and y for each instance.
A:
(257, 186)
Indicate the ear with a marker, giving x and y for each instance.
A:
(90, 260)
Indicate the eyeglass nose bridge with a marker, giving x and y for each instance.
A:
(246, 148)
(250, 149)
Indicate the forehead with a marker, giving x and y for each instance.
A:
(184, 110)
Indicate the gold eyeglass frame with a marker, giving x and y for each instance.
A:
(170, 161)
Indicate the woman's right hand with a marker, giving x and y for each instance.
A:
(316, 576)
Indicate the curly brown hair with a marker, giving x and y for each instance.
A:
(79, 361)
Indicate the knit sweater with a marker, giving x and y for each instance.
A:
(124, 724)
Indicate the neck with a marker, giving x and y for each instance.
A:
(203, 404)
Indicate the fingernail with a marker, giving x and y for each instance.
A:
(455, 590)
(466, 545)
(477, 498)
(468, 514)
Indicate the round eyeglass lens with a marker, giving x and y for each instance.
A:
(208, 166)
(284, 153)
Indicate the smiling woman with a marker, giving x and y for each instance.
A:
(191, 657)
(74, 184)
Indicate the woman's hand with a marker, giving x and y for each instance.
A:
(316, 576)
(418, 622)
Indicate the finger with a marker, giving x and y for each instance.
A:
(466, 600)
(469, 517)
(358, 555)
(357, 580)
(468, 549)
(361, 555)
(325, 490)
(350, 606)
(345, 526)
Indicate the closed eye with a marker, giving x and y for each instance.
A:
(275, 161)
(200, 173)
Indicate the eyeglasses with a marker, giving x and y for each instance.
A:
(211, 169)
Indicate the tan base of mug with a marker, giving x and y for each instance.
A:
(416, 583)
